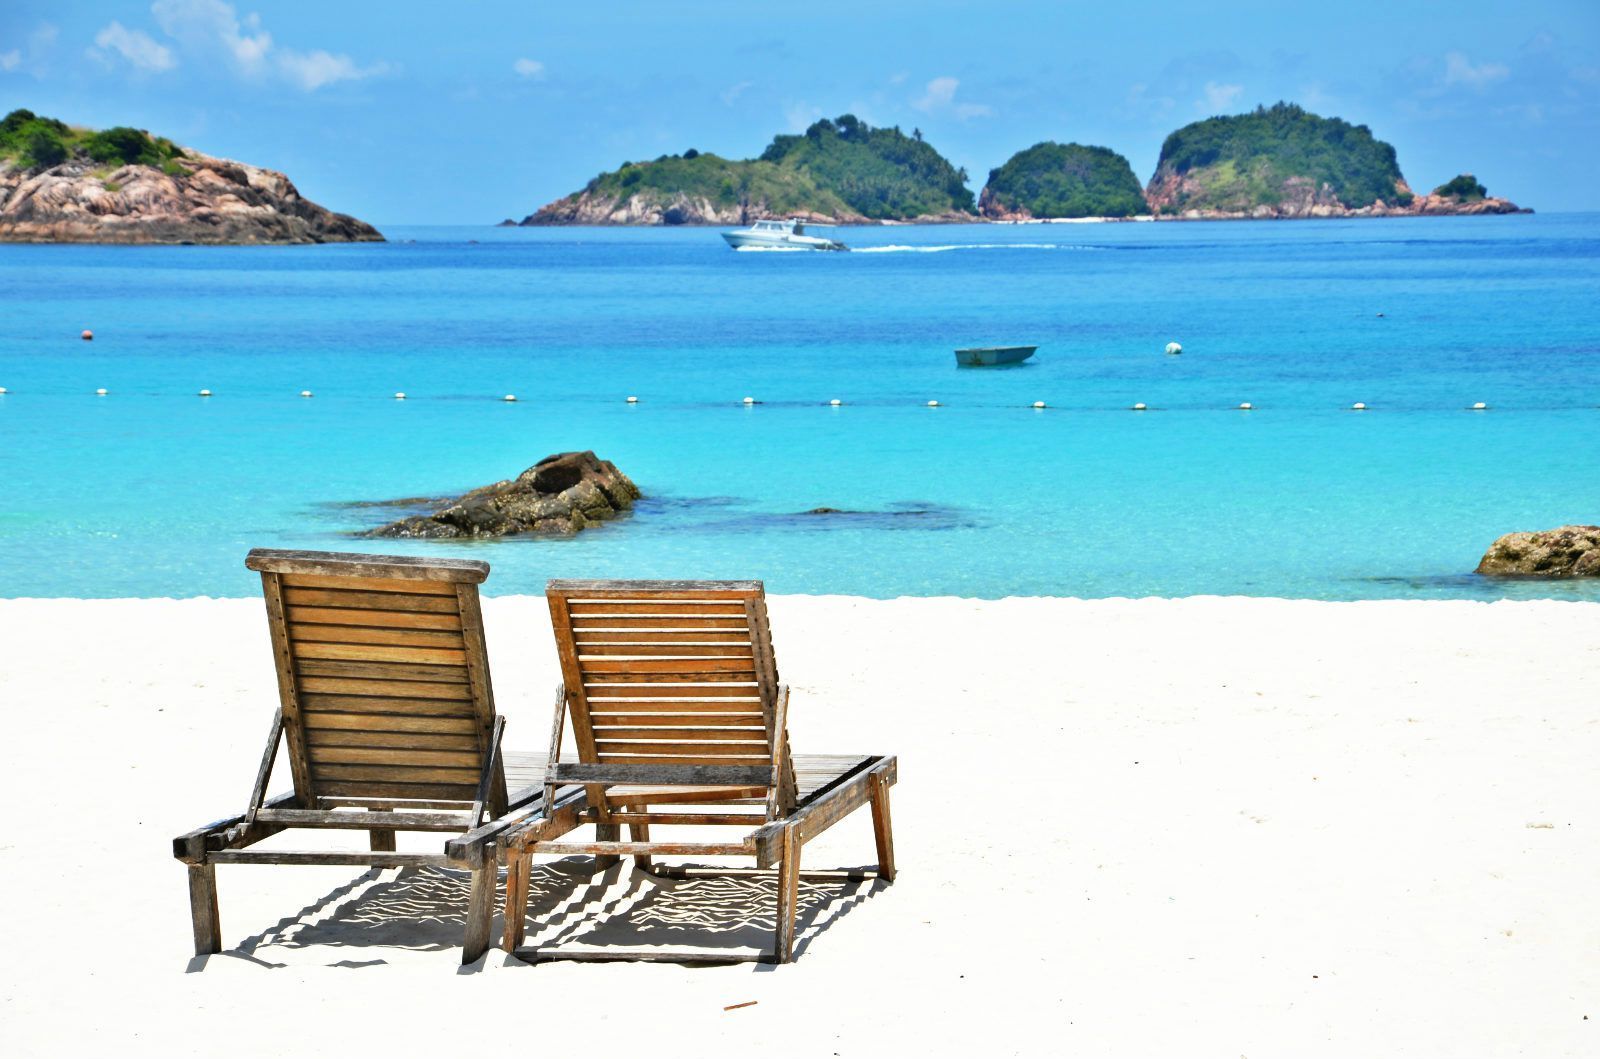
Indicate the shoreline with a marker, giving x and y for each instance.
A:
(1218, 825)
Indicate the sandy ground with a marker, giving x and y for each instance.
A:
(1201, 827)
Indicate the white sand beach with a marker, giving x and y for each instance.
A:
(1196, 827)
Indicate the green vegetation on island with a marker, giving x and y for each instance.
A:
(842, 169)
(34, 142)
(1464, 188)
(1282, 160)
(1063, 180)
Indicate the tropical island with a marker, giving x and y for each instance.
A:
(1284, 161)
(843, 171)
(1062, 180)
(1273, 162)
(67, 184)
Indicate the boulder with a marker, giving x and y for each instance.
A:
(560, 494)
(1569, 551)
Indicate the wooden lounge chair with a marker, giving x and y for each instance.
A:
(389, 720)
(674, 700)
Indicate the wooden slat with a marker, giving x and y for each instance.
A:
(323, 737)
(609, 721)
(361, 634)
(444, 795)
(594, 682)
(332, 597)
(296, 856)
(320, 667)
(644, 609)
(388, 689)
(589, 636)
(584, 589)
(674, 775)
(686, 623)
(697, 758)
(681, 650)
(365, 821)
(407, 757)
(318, 720)
(411, 567)
(666, 849)
(665, 744)
(394, 619)
(724, 734)
(465, 777)
(437, 656)
(405, 585)
(615, 696)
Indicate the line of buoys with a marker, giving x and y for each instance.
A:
(87, 336)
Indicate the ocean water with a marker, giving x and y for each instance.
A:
(154, 491)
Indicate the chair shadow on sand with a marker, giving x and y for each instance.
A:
(697, 914)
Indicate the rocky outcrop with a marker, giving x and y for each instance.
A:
(560, 494)
(1569, 551)
(651, 207)
(1299, 198)
(193, 199)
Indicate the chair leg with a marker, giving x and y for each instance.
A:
(882, 828)
(788, 895)
(640, 833)
(203, 909)
(606, 833)
(381, 841)
(480, 907)
(518, 869)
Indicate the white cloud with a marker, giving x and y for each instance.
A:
(10, 60)
(940, 95)
(800, 115)
(529, 68)
(1459, 70)
(733, 92)
(215, 27)
(1219, 97)
(136, 47)
(311, 70)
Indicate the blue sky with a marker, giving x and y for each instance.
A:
(409, 112)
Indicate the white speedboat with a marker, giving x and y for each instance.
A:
(779, 235)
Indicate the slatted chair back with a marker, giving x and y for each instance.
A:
(384, 679)
(672, 683)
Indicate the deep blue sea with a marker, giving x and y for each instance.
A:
(151, 490)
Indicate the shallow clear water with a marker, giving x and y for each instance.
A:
(152, 490)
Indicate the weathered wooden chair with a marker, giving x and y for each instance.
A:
(389, 719)
(674, 700)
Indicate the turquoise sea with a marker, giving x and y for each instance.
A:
(154, 491)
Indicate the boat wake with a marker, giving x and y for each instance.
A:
(896, 248)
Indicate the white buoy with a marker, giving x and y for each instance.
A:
(1140, 407)
(835, 402)
(509, 397)
(1173, 349)
(933, 404)
(1245, 406)
(205, 393)
(749, 400)
(1359, 406)
(633, 400)
(1038, 404)
(401, 396)
(100, 392)
(87, 336)
(1480, 407)
(305, 393)
(3, 391)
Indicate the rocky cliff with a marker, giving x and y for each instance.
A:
(62, 185)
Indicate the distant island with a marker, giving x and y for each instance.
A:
(1062, 180)
(66, 184)
(1284, 161)
(1273, 162)
(843, 171)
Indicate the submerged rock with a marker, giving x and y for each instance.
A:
(1568, 551)
(560, 494)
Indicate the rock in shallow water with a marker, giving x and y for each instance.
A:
(560, 494)
(1568, 551)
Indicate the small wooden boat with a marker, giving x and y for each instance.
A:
(989, 356)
